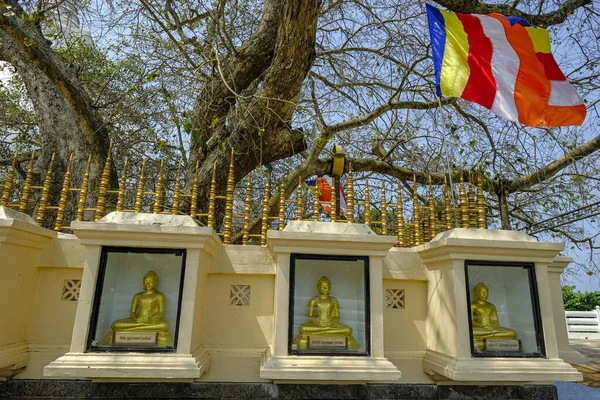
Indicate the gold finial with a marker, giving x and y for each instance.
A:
(122, 188)
(417, 220)
(159, 187)
(299, 201)
(45, 192)
(8, 184)
(426, 226)
(194, 203)
(350, 195)
(177, 190)
(140, 189)
(471, 203)
(282, 204)
(481, 220)
(400, 217)
(265, 212)
(316, 204)
(228, 221)
(433, 222)
(447, 206)
(27, 184)
(104, 182)
(247, 205)
(367, 205)
(64, 195)
(333, 203)
(410, 233)
(84, 191)
(384, 224)
(464, 206)
(212, 194)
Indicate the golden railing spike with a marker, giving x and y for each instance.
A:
(384, 224)
(447, 206)
(464, 205)
(84, 191)
(27, 184)
(64, 196)
(471, 203)
(194, 202)
(177, 190)
(400, 217)
(8, 184)
(481, 220)
(416, 219)
(265, 211)
(433, 221)
(350, 195)
(333, 202)
(212, 194)
(104, 182)
(282, 204)
(247, 206)
(367, 205)
(122, 188)
(228, 220)
(139, 195)
(45, 192)
(299, 201)
(159, 187)
(316, 203)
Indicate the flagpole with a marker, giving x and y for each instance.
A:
(452, 198)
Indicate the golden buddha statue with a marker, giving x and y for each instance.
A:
(485, 319)
(146, 314)
(323, 318)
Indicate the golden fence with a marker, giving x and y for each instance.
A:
(427, 218)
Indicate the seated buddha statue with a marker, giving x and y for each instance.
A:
(485, 319)
(323, 318)
(146, 313)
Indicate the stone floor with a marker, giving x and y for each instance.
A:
(589, 389)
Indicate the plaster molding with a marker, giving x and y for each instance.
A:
(13, 357)
(559, 264)
(535, 370)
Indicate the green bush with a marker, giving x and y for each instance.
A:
(579, 301)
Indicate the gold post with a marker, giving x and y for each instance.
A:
(426, 226)
(64, 195)
(410, 233)
(228, 222)
(448, 206)
(194, 205)
(281, 204)
(84, 191)
(265, 212)
(472, 207)
(400, 217)
(464, 205)
(8, 184)
(140, 189)
(177, 190)
(481, 220)
(367, 205)
(122, 188)
(433, 221)
(316, 205)
(247, 206)
(350, 195)
(384, 224)
(104, 182)
(299, 201)
(158, 193)
(27, 184)
(45, 192)
(416, 219)
(333, 204)
(212, 195)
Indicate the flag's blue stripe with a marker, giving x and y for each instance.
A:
(437, 34)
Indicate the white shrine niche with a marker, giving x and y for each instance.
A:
(343, 244)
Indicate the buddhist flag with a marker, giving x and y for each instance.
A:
(504, 64)
(322, 187)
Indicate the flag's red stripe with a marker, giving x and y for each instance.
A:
(553, 72)
(481, 86)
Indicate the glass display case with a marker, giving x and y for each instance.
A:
(504, 316)
(329, 305)
(137, 300)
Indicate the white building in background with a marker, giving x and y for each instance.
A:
(65, 19)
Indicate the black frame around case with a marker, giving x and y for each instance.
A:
(98, 295)
(345, 353)
(535, 304)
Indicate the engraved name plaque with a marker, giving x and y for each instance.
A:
(327, 342)
(502, 345)
(135, 338)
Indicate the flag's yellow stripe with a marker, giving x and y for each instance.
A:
(455, 68)
(540, 39)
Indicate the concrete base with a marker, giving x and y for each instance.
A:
(85, 389)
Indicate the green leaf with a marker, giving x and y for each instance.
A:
(28, 42)
(214, 122)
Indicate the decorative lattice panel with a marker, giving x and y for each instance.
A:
(239, 295)
(71, 288)
(394, 298)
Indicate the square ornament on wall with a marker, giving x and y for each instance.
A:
(394, 298)
(70, 290)
(239, 295)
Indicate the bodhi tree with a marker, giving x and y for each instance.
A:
(278, 81)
